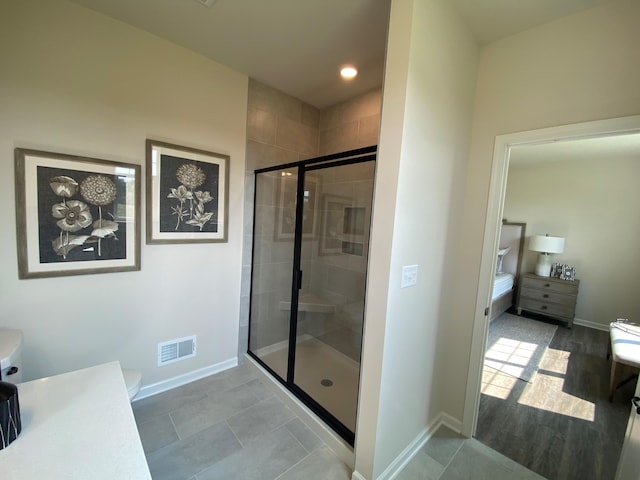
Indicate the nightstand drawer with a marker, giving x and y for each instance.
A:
(554, 309)
(553, 285)
(548, 296)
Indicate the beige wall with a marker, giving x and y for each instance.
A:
(593, 203)
(426, 119)
(579, 68)
(77, 82)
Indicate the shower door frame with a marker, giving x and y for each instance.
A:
(361, 155)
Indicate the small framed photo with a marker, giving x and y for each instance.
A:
(568, 272)
(75, 215)
(187, 194)
(556, 270)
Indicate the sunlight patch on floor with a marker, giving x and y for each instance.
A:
(546, 391)
(506, 360)
(510, 356)
(554, 360)
(496, 384)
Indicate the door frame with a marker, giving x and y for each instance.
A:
(495, 207)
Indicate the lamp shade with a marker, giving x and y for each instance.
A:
(546, 244)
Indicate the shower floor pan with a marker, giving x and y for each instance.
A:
(325, 374)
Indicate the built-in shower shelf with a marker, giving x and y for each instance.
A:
(308, 302)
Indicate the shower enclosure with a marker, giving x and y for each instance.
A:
(310, 248)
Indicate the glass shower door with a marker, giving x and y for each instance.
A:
(273, 256)
(333, 261)
(310, 249)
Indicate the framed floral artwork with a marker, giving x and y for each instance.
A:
(75, 215)
(187, 194)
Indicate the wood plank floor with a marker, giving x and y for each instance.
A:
(561, 425)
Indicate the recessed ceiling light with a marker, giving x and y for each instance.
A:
(348, 72)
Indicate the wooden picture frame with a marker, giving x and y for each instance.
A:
(75, 215)
(187, 194)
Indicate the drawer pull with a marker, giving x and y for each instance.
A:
(546, 295)
(547, 284)
(544, 307)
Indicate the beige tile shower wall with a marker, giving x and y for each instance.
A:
(280, 129)
(351, 124)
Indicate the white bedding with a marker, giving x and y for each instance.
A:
(502, 283)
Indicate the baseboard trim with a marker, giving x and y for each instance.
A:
(356, 476)
(163, 386)
(450, 422)
(401, 461)
(589, 324)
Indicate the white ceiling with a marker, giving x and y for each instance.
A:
(491, 20)
(297, 46)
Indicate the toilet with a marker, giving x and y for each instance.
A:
(133, 381)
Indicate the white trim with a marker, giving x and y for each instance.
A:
(401, 461)
(589, 324)
(450, 422)
(499, 170)
(183, 379)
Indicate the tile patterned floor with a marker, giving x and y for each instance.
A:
(448, 456)
(232, 426)
(229, 426)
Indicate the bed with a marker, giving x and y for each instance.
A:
(505, 283)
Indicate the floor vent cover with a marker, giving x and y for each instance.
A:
(174, 350)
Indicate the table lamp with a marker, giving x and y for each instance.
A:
(545, 245)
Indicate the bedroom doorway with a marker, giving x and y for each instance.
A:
(505, 146)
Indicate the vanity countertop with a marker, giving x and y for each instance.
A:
(77, 425)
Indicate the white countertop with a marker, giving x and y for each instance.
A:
(77, 425)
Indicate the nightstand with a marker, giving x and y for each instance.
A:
(550, 296)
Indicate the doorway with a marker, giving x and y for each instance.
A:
(310, 251)
(505, 146)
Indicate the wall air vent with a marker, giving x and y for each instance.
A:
(174, 350)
